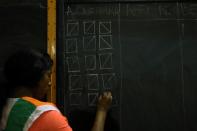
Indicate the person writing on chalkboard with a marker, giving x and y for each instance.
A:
(27, 76)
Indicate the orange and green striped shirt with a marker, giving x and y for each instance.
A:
(29, 114)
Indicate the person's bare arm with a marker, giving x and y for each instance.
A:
(104, 103)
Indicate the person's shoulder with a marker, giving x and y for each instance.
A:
(51, 120)
(54, 115)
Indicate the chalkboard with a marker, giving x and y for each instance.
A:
(145, 53)
(22, 24)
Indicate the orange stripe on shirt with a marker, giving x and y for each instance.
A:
(36, 102)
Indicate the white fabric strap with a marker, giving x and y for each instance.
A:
(6, 111)
(37, 112)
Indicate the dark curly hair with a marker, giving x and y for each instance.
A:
(25, 67)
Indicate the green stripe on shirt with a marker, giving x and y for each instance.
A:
(18, 115)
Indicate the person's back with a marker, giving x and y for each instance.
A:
(27, 74)
(29, 114)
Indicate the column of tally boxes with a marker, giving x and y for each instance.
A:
(92, 36)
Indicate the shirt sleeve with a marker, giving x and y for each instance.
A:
(51, 121)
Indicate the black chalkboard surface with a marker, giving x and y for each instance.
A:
(144, 52)
(22, 24)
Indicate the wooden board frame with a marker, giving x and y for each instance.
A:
(51, 46)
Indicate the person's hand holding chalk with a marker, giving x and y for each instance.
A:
(103, 105)
(104, 101)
